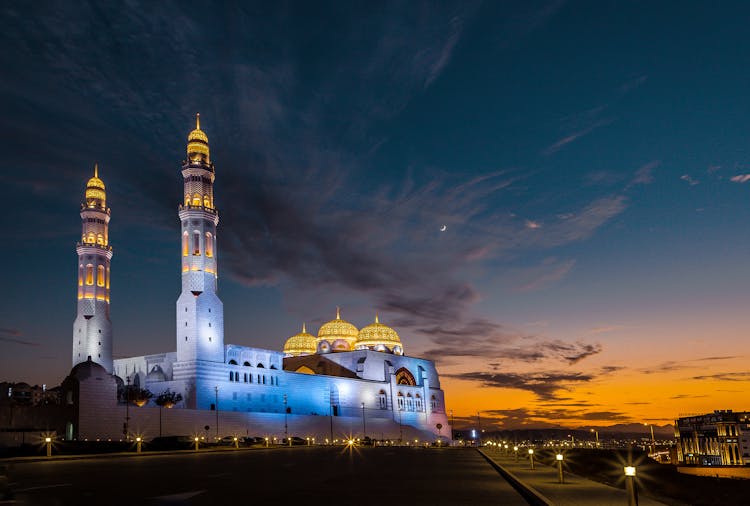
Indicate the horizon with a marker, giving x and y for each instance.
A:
(548, 200)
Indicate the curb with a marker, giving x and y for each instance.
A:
(91, 456)
(532, 495)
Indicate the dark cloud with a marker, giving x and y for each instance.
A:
(544, 384)
(725, 376)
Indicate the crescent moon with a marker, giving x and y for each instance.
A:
(443, 228)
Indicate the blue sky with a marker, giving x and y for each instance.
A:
(586, 158)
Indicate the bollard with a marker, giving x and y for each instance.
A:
(531, 458)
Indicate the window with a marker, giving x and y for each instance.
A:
(185, 244)
(107, 278)
(237, 376)
(100, 239)
(197, 199)
(80, 275)
(196, 243)
(209, 244)
(89, 274)
(400, 401)
(245, 377)
(206, 201)
(264, 379)
(187, 199)
(100, 275)
(231, 376)
(382, 399)
(233, 362)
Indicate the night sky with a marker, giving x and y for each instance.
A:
(588, 160)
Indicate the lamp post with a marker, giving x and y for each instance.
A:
(196, 439)
(515, 449)
(531, 457)
(559, 458)
(286, 426)
(630, 486)
(479, 423)
(596, 434)
(48, 443)
(236, 442)
(364, 422)
(216, 391)
(125, 428)
(138, 442)
(266, 442)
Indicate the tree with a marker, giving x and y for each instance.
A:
(138, 396)
(168, 399)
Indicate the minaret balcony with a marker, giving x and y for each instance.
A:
(83, 248)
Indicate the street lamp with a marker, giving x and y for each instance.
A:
(216, 391)
(236, 442)
(630, 486)
(364, 423)
(559, 458)
(48, 443)
(531, 457)
(138, 442)
(286, 427)
(515, 449)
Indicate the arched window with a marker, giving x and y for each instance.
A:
(185, 246)
(80, 275)
(382, 399)
(100, 275)
(209, 245)
(246, 363)
(231, 376)
(100, 239)
(206, 201)
(89, 274)
(197, 199)
(107, 278)
(196, 243)
(404, 377)
(260, 365)
(400, 401)
(233, 362)
(92, 238)
(237, 376)
(187, 199)
(245, 377)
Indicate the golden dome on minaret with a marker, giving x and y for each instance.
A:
(338, 330)
(197, 148)
(300, 344)
(96, 195)
(376, 334)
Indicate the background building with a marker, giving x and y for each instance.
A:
(714, 439)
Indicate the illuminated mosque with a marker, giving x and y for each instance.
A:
(359, 380)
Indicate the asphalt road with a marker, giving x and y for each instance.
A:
(362, 476)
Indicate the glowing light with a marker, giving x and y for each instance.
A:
(629, 471)
(531, 451)
(559, 456)
(48, 440)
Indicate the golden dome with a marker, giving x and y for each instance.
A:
(96, 194)
(338, 329)
(300, 344)
(197, 147)
(376, 333)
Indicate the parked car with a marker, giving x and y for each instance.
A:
(171, 443)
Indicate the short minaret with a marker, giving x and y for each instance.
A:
(200, 313)
(92, 329)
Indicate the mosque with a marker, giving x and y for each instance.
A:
(346, 377)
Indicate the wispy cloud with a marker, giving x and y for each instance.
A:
(725, 376)
(9, 335)
(740, 178)
(645, 173)
(550, 271)
(573, 136)
(689, 179)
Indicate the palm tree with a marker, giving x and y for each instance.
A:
(166, 399)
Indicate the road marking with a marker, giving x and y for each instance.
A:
(42, 487)
(178, 497)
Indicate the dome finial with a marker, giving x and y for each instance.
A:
(376, 318)
(96, 169)
(197, 121)
(304, 330)
(338, 313)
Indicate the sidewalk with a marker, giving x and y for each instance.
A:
(576, 491)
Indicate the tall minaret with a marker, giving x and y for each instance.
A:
(200, 313)
(92, 329)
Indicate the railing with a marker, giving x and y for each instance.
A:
(190, 207)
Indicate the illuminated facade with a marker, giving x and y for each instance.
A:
(714, 439)
(92, 329)
(355, 376)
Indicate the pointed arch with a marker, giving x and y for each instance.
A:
(185, 245)
(405, 377)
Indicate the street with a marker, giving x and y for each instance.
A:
(313, 475)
